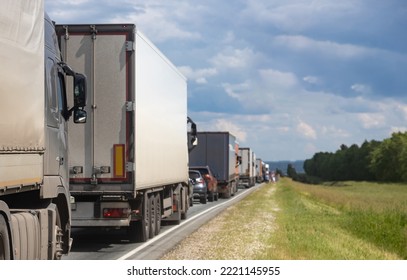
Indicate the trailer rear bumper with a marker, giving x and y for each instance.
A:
(89, 223)
(101, 214)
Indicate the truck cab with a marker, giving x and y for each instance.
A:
(35, 216)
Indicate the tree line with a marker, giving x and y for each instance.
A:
(372, 161)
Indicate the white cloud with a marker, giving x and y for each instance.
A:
(238, 91)
(312, 80)
(335, 132)
(297, 16)
(403, 109)
(394, 129)
(361, 88)
(233, 58)
(234, 129)
(306, 130)
(198, 75)
(162, 21)
(326, 48)
(278, 80)
(372, 120)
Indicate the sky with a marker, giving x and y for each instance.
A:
(288, 78)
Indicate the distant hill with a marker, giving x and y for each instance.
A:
(282, 165)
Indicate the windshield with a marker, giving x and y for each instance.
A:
(203, 171)
(194, 175)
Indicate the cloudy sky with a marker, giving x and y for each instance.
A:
(289, 78)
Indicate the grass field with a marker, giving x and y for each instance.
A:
(294, 221)
(351, 220)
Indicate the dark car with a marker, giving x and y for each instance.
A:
(200, 190)
(210, 179)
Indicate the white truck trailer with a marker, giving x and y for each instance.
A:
(219, 151)
(34, 193)
(247, 168)
(129, 165)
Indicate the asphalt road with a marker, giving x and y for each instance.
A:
(94, 244)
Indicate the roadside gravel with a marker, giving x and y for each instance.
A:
(240, 233)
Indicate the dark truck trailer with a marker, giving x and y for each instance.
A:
(219, 151)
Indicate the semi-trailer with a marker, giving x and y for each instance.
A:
(219, 151)
(35, 217)
(247, 167)
(129, 165)
(259, 170)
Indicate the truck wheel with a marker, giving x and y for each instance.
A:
(234, 188)
(228, 193)
(136, 232)
(211, 197)
(4, 240)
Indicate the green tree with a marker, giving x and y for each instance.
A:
(388, 161)
(291, 172)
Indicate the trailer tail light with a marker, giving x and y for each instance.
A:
(116, 212)
(175, 203)
(119, 160)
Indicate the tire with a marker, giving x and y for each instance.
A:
(211, 197)
(228, 193)
(4, 240)
(203, 199)
(138, 231)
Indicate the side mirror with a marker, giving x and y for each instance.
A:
(239, 160)
(80, 116)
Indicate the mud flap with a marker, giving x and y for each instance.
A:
(175, 217)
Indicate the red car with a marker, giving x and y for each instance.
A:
(210, 179)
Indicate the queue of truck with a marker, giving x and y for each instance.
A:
(131, 158)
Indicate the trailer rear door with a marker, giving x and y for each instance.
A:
(99, 149)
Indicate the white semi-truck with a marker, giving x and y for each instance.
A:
(129, 166)
(35, 221)
(247, 168)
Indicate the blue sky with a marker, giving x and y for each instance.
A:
(289, 78)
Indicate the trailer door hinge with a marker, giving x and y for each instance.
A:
(129, 106)
(129, 166)
(129, 46)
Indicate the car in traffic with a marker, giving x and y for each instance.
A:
(200, 189)
(210, 180)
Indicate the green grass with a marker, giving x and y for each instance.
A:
(294, 221)
(351, 221)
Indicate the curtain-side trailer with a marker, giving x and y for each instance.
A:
(34, 193)
(129, 165)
